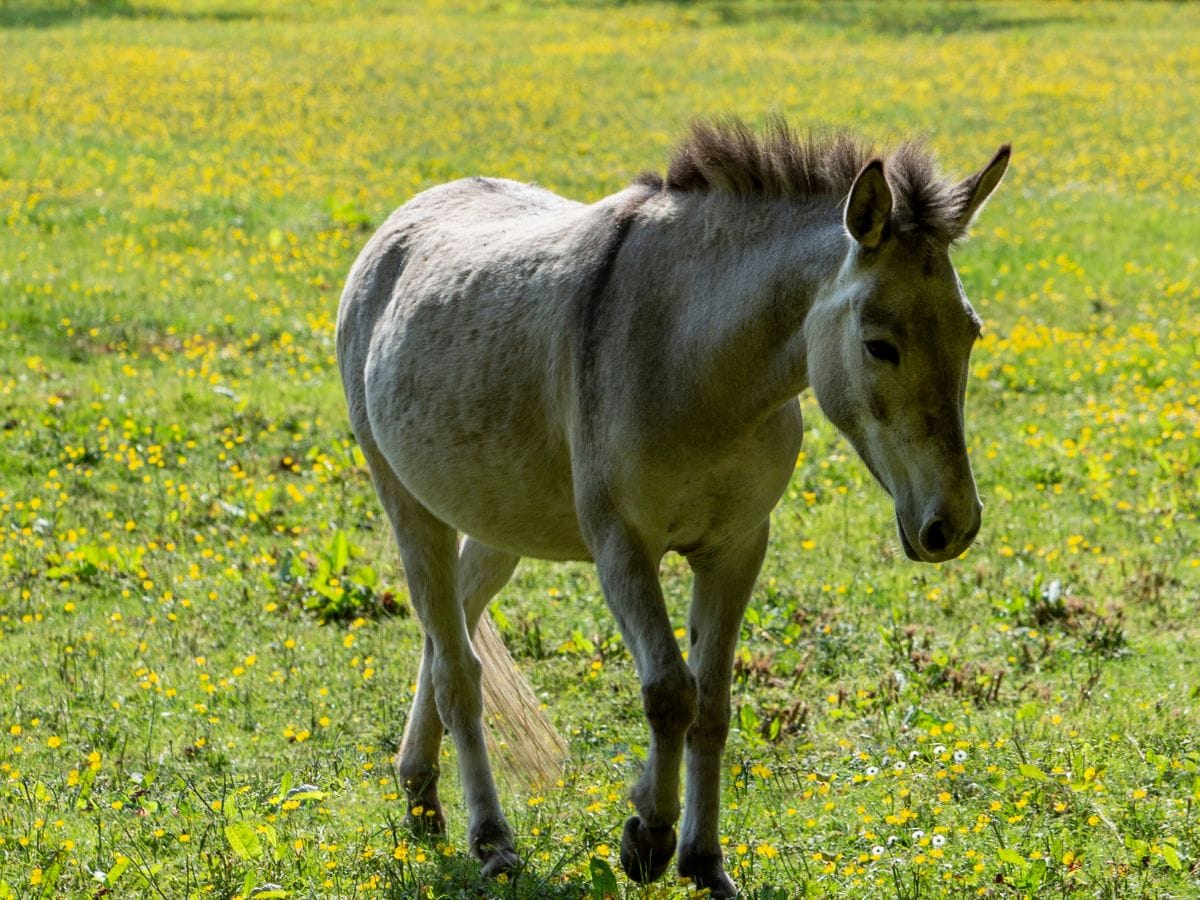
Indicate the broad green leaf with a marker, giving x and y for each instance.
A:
(1171, 857)
(1036, 874)
(328, 591)
(301, 795)
(366, 576)
(339, 551)
(1012, 857)
(117, 870)
(1032, 772)
(604, 882)
(243, 840)
(773, 729)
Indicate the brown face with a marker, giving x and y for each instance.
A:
(890, 371)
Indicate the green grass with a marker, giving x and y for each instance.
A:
(200, 611)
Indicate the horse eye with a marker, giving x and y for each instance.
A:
(882, 350)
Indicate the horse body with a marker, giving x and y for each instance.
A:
(615, 381)
(622, 404)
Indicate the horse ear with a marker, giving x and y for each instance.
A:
(869, 206)
(975, 190)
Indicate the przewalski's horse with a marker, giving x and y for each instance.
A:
(613, 381)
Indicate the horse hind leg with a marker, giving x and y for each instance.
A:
(417, 761)
(481, 572)
(448, 599)
(420, 748)
(455, 673)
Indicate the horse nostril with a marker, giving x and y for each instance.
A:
(974, 531)
(933, 536)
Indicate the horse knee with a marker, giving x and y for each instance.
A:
(711, 725)
(457, 690)
(709, 730)
(670, 702)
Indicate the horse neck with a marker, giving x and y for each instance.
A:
(745, 274)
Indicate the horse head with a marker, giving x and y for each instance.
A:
(888, 344)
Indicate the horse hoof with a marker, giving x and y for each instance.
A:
(646, 852)
(708, 872)
(492, 845)
(501, 862)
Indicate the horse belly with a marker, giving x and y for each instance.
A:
(716, 496)
(522, 503)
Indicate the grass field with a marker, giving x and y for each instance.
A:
(205, 652)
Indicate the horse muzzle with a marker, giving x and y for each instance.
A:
(940, 537)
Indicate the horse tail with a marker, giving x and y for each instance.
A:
(519, 735)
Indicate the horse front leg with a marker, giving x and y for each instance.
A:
(629, 577)
(723, 582)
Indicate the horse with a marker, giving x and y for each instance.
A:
(614, 381)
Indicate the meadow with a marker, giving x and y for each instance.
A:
(206, 654)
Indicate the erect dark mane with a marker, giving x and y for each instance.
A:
(726, 155)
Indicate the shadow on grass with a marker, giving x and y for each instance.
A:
(922, 17)
(872, 16)
(34, 14)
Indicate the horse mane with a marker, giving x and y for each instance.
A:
(727, 156)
